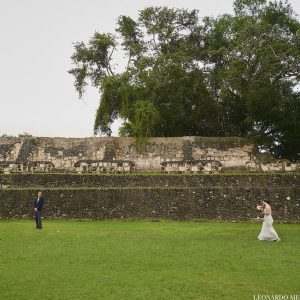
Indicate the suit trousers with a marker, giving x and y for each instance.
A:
(38, 219)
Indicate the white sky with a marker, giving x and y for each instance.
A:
(36, 92)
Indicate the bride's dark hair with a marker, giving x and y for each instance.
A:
(268, 201)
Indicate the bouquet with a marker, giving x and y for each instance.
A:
(259, 207)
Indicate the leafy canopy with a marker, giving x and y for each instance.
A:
(235, 75)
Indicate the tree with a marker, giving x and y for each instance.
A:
(161, 70)
(235, 75)
(260, 74)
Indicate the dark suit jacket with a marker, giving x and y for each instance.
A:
(39, 205)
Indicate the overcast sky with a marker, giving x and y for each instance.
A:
(36, 92)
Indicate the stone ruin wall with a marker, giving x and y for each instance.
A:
(141, 196)
(168, 154)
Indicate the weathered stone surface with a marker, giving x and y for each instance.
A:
(64, 155)
(163, 203)
(136, 180)
(179, 197)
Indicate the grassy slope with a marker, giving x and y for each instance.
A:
(145, 260)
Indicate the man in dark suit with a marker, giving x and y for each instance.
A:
(38, 207)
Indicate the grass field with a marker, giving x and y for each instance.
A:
(146, 260)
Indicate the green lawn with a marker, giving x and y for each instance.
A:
(146, 260)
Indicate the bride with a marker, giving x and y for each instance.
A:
(267, 233)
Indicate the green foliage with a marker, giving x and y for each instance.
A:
(92, 61)
(249, 7)
(235, 75)
(145, 118)
(25, 135)
(20, 135)
(6, 136)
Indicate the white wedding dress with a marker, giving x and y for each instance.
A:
(268, 233)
